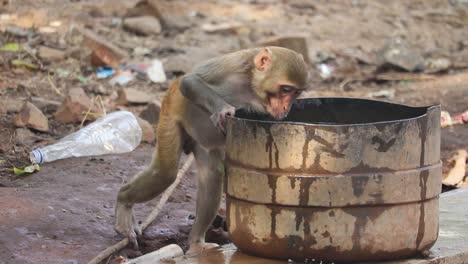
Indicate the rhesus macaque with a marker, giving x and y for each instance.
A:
(192, 119)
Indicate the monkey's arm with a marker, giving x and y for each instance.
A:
(202, 94)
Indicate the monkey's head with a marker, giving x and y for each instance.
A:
(279, 76)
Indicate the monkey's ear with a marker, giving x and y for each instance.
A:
(263, 59)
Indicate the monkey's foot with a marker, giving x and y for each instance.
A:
(197, 248)
(125, 223)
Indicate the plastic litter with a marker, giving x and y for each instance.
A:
(28, 169)
(448, 120)
(117, 132)
(156, 72)
(105, 72)
(11, 47)
(325, 70)
(25, 64)
(122, 78)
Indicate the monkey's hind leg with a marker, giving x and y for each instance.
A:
(210, 187)
(152, 181)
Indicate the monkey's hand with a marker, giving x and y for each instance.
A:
(125, 223)
(219, 117)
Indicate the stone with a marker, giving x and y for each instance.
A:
(151, 112)
(435, 65)
(25, 136)
(132, 96)
(10, 105)
(146, 8)
(47, 106)
(296, 43)
(30, 116)
(397, 52)
(103, 50)
(178, 64)
(3, 109)
(74, 107)
(50, 55)
(148, 134)
(222, 28)
(144, 25)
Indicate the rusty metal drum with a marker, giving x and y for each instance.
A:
(340, 180)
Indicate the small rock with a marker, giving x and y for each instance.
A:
(98, 88)
(178, 64)
(145, 25)
(141, 51)
(74, 107)
(151, 112)
(18, 31)
(103, 50)
(398, 53)
(435, 65)
(386, 93)
(132, 96)
(146, 8)
(46, 106)
(296, 43)
(30, 116)
(147, 129)
(10, 105)
(220, 28)
(50, 54)
(25, 136)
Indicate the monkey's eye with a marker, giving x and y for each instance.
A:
(286, 89)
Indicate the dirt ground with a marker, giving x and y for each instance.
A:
(65, 212)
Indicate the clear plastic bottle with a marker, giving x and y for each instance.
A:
(117, 132)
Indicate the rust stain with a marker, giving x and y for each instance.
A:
(327, 234)
(363, 168)
(363, 216)
(422, 181)
(276, 156)
(269, 144)
(272, 182)
(304, 189)
(274, 212)
(305, 149)
(383, 146)
(292, 181)
(359, 183)
(328, 147)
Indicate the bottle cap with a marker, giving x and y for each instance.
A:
(36, 156)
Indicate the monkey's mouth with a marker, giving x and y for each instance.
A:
(279, 114)
(279, 117)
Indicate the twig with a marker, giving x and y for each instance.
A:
(164, 197)
(102, 105)
(53, 84)
(87, 112)
(96, 115)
